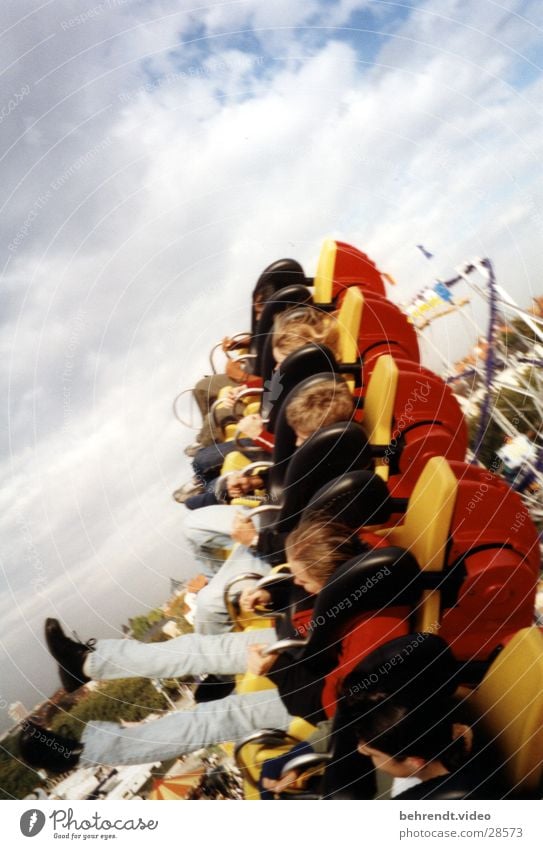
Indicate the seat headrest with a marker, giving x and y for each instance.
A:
(287, 297)
(395, 569)
(281, 273)
(314, 379)
(327, 454)
(283, 388)
(417, 663)
(310, 360)
(357, 498)
(293, 295)
(374, 580)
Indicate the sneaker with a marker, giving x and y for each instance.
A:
(69, 654)
(193, 487)
(213, 687)
(192, 449)
(43, 749)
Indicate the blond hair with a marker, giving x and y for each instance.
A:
(294, 328)
(320, 546)
(321, 404)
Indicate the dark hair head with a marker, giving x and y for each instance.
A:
(406, 728)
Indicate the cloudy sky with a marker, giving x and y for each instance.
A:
(155, 156)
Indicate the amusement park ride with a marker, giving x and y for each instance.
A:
(410, 472)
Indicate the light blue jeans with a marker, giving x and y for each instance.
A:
(207, 530)
(209, 650)
(175, 734)
(185, 731)
(191, 654)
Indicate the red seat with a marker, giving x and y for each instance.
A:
(384, 329)
(427, 421)
(494, 545)
(354, 268)
(477, 546)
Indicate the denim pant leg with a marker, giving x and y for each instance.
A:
(207, 532)
(191, 654)
(199, 525)
(211, 615)
(175, 734)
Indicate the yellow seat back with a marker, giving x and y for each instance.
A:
(251, 683)
(234, 461)
(324, 277)
(509, 705)
(429, 513)
(379, 407)
(426, 529)
(348, 320)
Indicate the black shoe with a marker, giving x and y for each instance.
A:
(214, 687)
(69, 654)
(44, 749)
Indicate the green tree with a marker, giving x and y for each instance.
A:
(141, 625)
(517, 337)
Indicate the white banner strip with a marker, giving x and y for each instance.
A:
(370, 824)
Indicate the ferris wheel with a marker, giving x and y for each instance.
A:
(500, 383)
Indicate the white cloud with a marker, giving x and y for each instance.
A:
(259, 17)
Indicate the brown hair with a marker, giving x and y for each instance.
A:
(294, 328)
(321, 546)
(323, 403)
